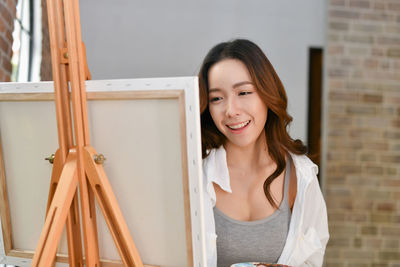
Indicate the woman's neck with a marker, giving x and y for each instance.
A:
(249, 157)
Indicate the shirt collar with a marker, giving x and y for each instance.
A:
(216, 169)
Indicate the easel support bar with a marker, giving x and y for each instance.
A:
(57, 215)
(111, 211)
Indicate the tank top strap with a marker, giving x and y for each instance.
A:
(287, 179)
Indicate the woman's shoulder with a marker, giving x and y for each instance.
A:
(215, 157)
(304, 166)
(215, 168)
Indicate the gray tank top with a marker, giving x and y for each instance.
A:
(253, 241)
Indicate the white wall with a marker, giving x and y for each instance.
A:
(132, 38)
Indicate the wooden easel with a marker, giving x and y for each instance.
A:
(76, 162)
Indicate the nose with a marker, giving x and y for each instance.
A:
(232, 107)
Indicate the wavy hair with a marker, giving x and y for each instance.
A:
(270, 90)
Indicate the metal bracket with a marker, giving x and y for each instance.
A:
(99, 158)
(64, 56)
(51, 158)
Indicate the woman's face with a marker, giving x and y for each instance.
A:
(235, 106)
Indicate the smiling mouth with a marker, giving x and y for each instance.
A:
(239, 125)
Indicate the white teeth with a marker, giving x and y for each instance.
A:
(238, 126)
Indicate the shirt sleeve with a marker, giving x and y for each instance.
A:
(314, 231)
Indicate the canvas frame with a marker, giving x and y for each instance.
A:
(183, 89)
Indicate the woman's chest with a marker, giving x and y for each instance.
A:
(248, 202)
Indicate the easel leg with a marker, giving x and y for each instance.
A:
(57, 214)
(75, 256)
(73, 224)
(111, 211)
(89, 224)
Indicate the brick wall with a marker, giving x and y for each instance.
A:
(7, 15)
(363, 133)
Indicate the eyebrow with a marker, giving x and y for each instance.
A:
(241, 83)
(234, 86)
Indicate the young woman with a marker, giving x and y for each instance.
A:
(262, 199)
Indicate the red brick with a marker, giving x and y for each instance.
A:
(375, 51)
(343, 230)
(344, 192)
(343, 204)
(368, 28)
(357, 242)
(362, 132)
(391, 158)
(391, 171)
(379, 6)
(361, 110)
(373, 170)
(332, 253)
(7, 17)
(384, 17)
(344, 96)
(2, 25)
(378, 194)
(7, 64)
(391, 99)
(391, 243)
(369, 230)
(337, 216)
(337, 2)
(12, 6)
(358, 254)
(394, 6)
(340, 26)
(371, 63)
(354, 217)
(336, 50)
(392, 29)
(385, 40)
(340, 241)
(383, 146)
(358, 51)
(362, 204)
(371, 242)
(361, 39)
(370, 98)
(344, 14)
(389, 255)
(393, 52)
(359, 3)
(385, 65)
(391, 182)
(339, 73)
(368, 157)
(333, 37)
(386, 206)
(4, 46)
(391, 231)
(396, 123)
(381, 217)
(350, 62)
(9, 36)
(336, 180)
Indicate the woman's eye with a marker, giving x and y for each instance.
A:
(245, 93)
(215, 99)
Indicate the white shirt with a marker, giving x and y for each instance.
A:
(308, 231)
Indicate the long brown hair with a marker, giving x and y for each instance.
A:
(270, 90)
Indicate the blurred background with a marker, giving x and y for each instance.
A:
(339, 61)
